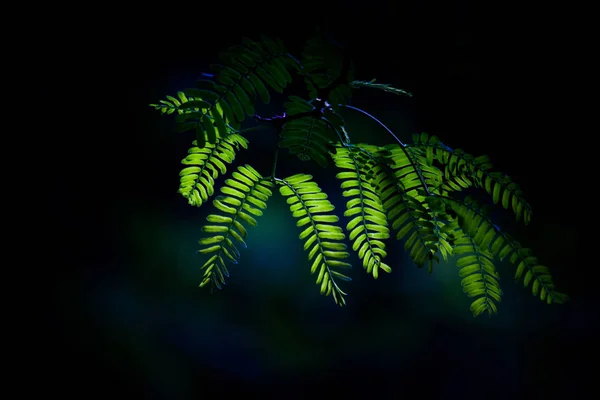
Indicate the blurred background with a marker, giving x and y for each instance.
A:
(126, 316)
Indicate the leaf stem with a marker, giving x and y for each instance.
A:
(274, 163)
(402, 145)
(376, 120)
(277, 136)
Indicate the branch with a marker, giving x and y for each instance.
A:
(320, 102)
(279, 120)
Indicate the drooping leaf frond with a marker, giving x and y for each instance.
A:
(308, 137)
(368, 225)
(462, 169)
(323, 238)
(244, 197)
(439, 181)
(399, 186)
(203, 165)
(479, 276)
(523, 258)
(404, 161)
(473, 220)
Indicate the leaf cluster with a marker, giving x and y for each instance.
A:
(412, 192)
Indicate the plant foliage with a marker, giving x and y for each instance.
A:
(414, 192)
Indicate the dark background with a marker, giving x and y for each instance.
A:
(126, 317)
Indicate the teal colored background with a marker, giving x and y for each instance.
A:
(129, 320)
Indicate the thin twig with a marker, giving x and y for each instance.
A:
(403, 146)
